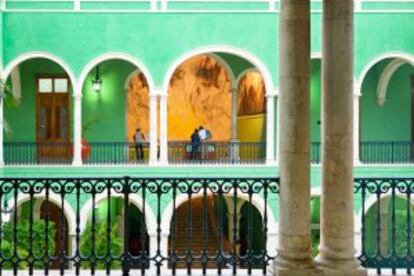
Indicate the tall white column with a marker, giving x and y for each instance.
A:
(357, 98)
(1, 127)
(294, 250)
(234, 148)
(77, 127)
(270, 128)
(163, 129)
(337, 247)
(234, 113)
(153, 129)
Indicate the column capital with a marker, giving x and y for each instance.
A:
(273, 93)
(157, 92)
(357, 94)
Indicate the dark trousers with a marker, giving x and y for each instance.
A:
(139, 151)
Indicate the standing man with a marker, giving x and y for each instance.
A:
(195, 144)
(139, 139)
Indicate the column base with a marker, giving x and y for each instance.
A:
(333, 272)
(77, 163)
(292, 267)
(291, 271)
(340, 267)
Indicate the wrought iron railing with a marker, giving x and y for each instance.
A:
(40, 153)
(387, 152)
(117, 153)
(161, 230)
(387, 223)
(183, 152)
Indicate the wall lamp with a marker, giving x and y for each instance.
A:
(97, 82)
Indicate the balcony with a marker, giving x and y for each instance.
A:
(182, 153)
(75, 226)
(126, 153)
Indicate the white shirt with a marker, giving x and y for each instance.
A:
(203, 134)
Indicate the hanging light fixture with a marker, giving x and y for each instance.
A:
(97, 83)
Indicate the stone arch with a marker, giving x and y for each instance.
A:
(33, 55)
(115, 56)
(53, 198)
(221, 49)
(136, 200)
(257, 201)
(407, 58)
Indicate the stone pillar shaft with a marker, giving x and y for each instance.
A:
(337, 216)
(77, 128)
(153, 130)
(294, 224)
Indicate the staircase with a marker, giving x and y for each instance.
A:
(197, 245)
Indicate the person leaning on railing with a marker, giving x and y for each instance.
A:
(139, 140)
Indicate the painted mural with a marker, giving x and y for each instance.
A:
(199, 94)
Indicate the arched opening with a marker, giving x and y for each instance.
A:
(37, 112)
(207, 227)
(41, 227)
(204, 94)
(106, 225)
(115, 114)
(387, 91)
(387, 223)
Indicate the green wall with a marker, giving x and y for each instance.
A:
(155, 39)
(316, 100)
(392, 121)
(105, 111)
(22, 118)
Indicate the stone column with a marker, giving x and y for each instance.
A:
(153, 129)
(357, 97)
(163, 129)
(337, 249)
(294, 258)
(77, 128)
(234, 148)
(277, 121)
(270, 128)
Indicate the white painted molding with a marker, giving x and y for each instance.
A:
(257, 201)
(53, 198)
(244, 73)
(129, 78)
(226, 66)
(396, 54)
(135, 199)
(116, 56)
(38, 54)
(385, 78)
(209, 49)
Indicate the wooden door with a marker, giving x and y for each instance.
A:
(52, 127)
(54, 214)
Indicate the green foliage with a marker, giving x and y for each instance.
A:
(6, 95)
(22, 246)
(401, 245)
(101, 240)
(315, 242)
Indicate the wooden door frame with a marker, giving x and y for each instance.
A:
(52, 76)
